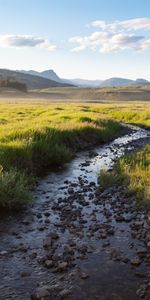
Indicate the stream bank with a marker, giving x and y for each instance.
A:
(75, 242)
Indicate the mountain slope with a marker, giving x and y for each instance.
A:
(32, 81)
(48, 74)
(116, 81)
(142, 81)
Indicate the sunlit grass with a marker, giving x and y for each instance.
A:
(133, 171)
(35, 137)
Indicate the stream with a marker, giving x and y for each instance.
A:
(74, 242)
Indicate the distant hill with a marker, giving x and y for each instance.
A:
(31, 81)
(142, 81)
(49, 74)
(116, 81)
(111, 82)
(48, 78)
(84, 83)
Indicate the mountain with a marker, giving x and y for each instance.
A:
(85, 83)
(116, 81)
(48, 78)
(31, 81)
(111, 82)
(142, 81)
(48, 74)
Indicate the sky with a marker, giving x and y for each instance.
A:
(90, 39)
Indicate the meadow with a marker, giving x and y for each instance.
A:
(133, 172)
(36, 136)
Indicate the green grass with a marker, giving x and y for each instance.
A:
(14, 189)
(133, 172)
(35, 137)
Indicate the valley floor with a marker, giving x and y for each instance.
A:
(74, 240)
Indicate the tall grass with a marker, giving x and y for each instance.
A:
(14, 188)
(36, 136)
(33, 138)
(133, 171)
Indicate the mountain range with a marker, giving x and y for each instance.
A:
(48, 78)
(111, 82)
(32, 81)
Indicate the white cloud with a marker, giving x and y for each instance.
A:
(131, 24)
(115, 36)
(20, 41)
(105, 42)
(145, 45)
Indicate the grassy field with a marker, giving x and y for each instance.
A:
(133, 172)
(34, 136)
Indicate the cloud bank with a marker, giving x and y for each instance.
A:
(20, 41)
(131, 24)
(115, 36)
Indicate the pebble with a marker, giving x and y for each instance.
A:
(135, 261)
(84, 275)
(64, 293)
(25, 274)
(62, 266)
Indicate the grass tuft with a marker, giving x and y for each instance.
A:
(14, 189)
(133, 172)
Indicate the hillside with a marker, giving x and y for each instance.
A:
(49, 74)
(31, 81)
(116, 81)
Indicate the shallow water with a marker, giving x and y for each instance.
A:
(74, 186)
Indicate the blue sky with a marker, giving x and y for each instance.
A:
(77, 38)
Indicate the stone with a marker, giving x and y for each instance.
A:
(70, 190)
(148, 244)
(2, 253)
(25, 274)
(141, 292)
(64, 293)
(47, 242)
(83, 248)
(33, 255)
(135, 261)
(49, 264)
(39, 216)
(119, 218)
(41, 293)
(140, 275)
(47, 221)
(47, 214)
(54, 235)
(62, 266)
(84, 275)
